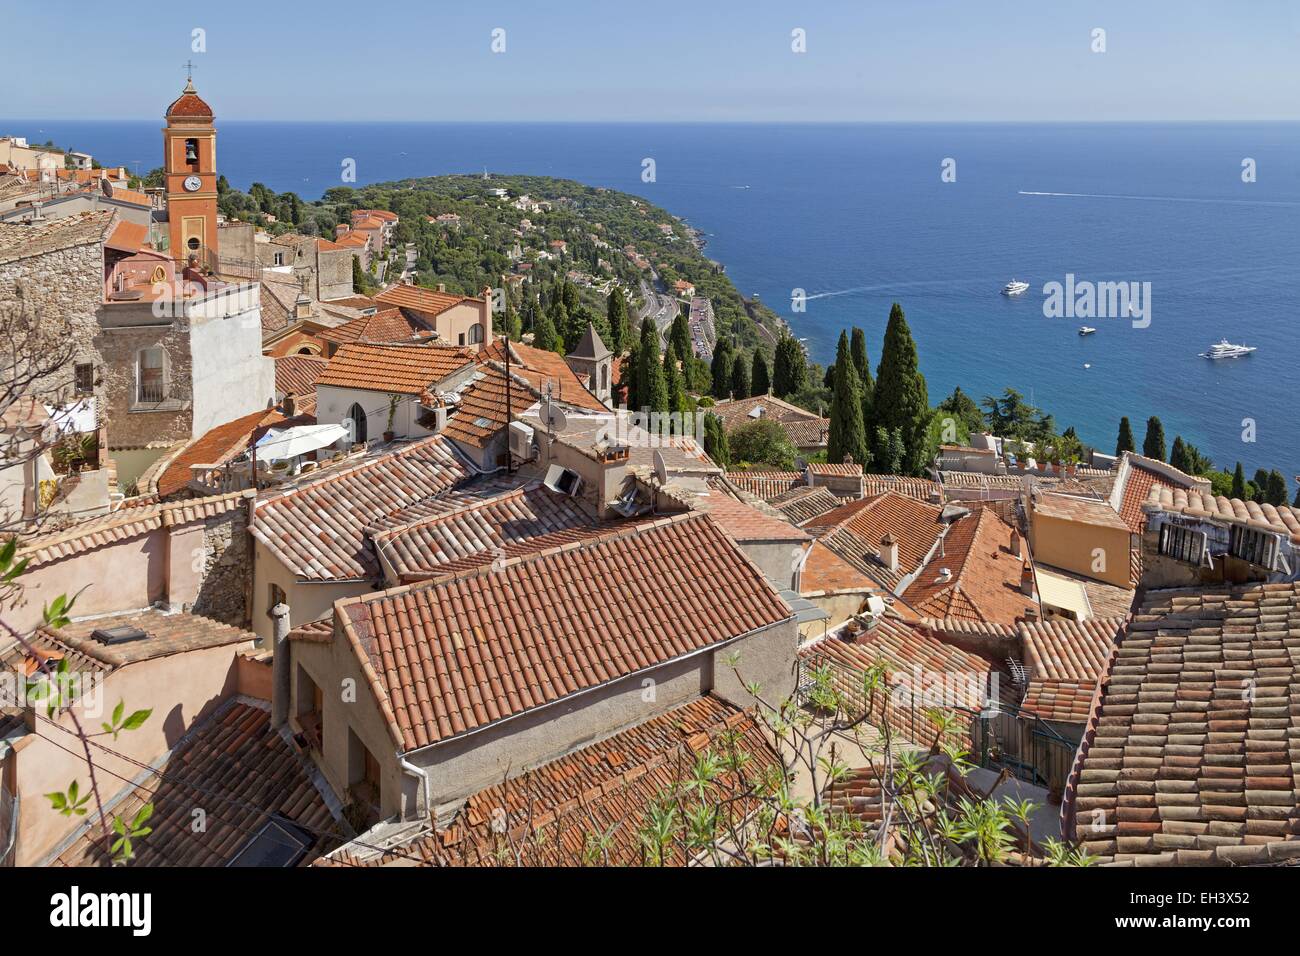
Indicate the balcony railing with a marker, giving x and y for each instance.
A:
(151, 393)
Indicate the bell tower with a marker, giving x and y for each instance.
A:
(190, 168)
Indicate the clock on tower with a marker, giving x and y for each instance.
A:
(190, 167)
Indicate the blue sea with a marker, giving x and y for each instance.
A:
(857, 216)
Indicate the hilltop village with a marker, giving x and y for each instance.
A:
(364, 563)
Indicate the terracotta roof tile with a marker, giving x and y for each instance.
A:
(766, 485)
(318, 530)
(1065, 660)
(242, 773)
(1081, 510)
(221, 444)
(1190, 757)
(539, 367)
(386, 326)
(481, 413)
(1282, 519)
(397, 369)
(854, 532)
(474, 648)
(804, 504)
(984, 579)
(421, 299)
(602, 790)
(297, 374)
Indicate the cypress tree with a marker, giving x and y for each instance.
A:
(858, 349)
(631, 371)
(616, 315)
(759, 382)
(901, 401)
(847, 434)
(673, 381)
(544, 334)
(739, 378)
(1239, 482)
(652, 389)
(1125, 441)
(1261, 486)
(559, 316)
(1275, 488)
(791, 367)
(680, 336)
(1153, 446)
(715, 440)
(1178, 455)
(720, 369)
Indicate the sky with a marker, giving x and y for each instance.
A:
(661, 60)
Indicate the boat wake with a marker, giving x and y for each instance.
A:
(1189, 199)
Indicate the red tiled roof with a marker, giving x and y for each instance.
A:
(428, 301)
(297, 374)
(538, 367)
(1190, 759)
(189, 106)
(127, 236)
(602, 791)
(1081, 510)
(854, 531)
(318, 530)
(1282, 519)
(984, 580)
(482, 410)
(841, 470)
(803, 428)
(804, 504)
(423, 547)
(744, 522)
(766, 484)
(922, 489)
(385, 326)
(242, 772)
(396, 369)
(219, 445)
(1065, 659)
(1138, 481)
(467, 651)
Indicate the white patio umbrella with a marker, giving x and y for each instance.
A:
(277, 445)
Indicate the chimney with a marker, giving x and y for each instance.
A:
(289, 406)
(1027, 580)
(302, 307)
(1031, 614)
(342, 229)
(889, 552)
(1015, 543)
(280, 665)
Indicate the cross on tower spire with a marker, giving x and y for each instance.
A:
(189, 76)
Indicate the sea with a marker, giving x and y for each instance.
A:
(831, 223)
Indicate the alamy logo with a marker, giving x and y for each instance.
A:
(73, 909)
(1083, 299)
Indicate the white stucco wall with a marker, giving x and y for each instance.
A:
(231, 376)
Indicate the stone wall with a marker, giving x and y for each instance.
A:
(227, 568)
(130, 423)
(66, 283)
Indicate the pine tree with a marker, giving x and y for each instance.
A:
(616, 316)
(847, 434)
(759, 382)
(791, 367)
(1125, 441)
(720, 369)
(1178, 455)
(1153, 446)
(739, 378)
(1239, 483)
(901, 401)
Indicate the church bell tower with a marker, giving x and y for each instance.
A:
(190, 167)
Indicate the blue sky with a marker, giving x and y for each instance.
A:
(662, 60)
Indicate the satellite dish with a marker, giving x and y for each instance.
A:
(661, 468)
(554, 418)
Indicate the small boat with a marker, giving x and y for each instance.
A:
(1225, 349)
(1086, 330)
(1015, 287)
(1087, 365)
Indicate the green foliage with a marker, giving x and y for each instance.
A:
(962, 408)
(651, 388)
(790, 371)
(716, 442)
(740, 385)
(901, 400)
(1124, 442)
(616, 317)
(1153, 445)
(1275, 489)
(762, 441)
(121, 721)
(720, 370)
(861, 363)
(847, 433)
(71, 803)
(759, 381)
(122, 847)
(1239, 483)
(545, 336)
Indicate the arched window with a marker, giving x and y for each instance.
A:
(357, 418)
(476, 334)
(604, 378)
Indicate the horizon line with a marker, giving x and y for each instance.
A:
(677, 122)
